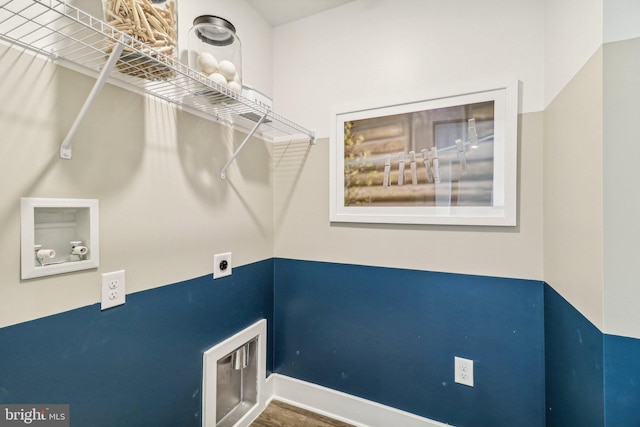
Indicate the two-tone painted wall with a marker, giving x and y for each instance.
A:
(576, 213)
(378, 311)
(621, 61)
(164, 213)
(590, 230)
(389, 306)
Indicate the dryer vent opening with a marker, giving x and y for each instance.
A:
(236, 388)
(234, 375)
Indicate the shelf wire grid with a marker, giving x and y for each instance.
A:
(74, 38)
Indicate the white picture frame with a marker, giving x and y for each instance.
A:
(477, 186)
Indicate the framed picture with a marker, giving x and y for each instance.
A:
(448, 160)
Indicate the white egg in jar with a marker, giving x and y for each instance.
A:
(235, 86)
(207, 63)
(227, 69)
(218, 78)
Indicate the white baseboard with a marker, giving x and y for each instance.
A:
(340, 406)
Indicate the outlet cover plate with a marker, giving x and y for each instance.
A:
(113, 289)
(463, 371)
(222, 266)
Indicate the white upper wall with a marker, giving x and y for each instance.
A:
(621, 204)
(621, 20)
(155, 170)
(408, 49)
(573, 220)
(164, 212)
(573, 31)
(621, 72)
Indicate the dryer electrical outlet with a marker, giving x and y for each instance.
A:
(222, 265)
(113, 290)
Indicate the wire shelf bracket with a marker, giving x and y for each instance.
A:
(76, 40)
(65, 147)
(223, 172)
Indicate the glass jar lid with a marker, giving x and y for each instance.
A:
(214, 30)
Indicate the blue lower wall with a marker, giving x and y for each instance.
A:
(622, 381)
(139, 364)
(592, 379)
(574, 366)
(390, 335)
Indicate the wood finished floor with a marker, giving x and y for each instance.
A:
(279, 414)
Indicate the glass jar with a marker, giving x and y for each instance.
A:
(215, 51)
(154, 23)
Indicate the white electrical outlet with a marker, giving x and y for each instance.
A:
(113, 290)
(463, 371)
(222, 265)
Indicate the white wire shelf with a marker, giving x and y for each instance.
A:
(77, 40)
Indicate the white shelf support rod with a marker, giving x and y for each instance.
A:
(223, 172)
(65, 147)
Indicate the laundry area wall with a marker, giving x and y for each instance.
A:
(155, 170)
(164, 213)
(345, 302)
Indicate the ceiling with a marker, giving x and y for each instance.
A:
(278, 12)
